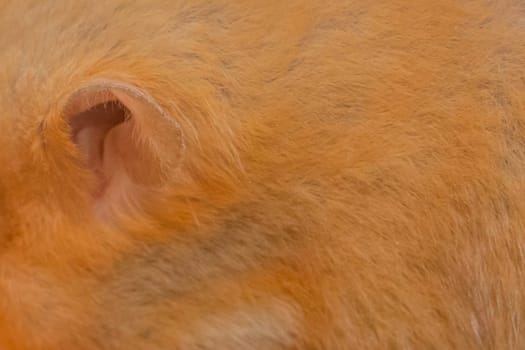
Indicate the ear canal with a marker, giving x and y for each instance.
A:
(125, 140)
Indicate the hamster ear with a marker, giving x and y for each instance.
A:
(125, 140)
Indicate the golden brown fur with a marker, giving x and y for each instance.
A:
(344, 174)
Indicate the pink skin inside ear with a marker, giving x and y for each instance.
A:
(107, 126)
(95, 121)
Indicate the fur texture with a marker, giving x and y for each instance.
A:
(345, 174)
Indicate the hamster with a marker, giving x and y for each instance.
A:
(301, 174)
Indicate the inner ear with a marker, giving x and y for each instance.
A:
(90, 129)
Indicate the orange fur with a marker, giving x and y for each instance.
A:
(345, 175)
